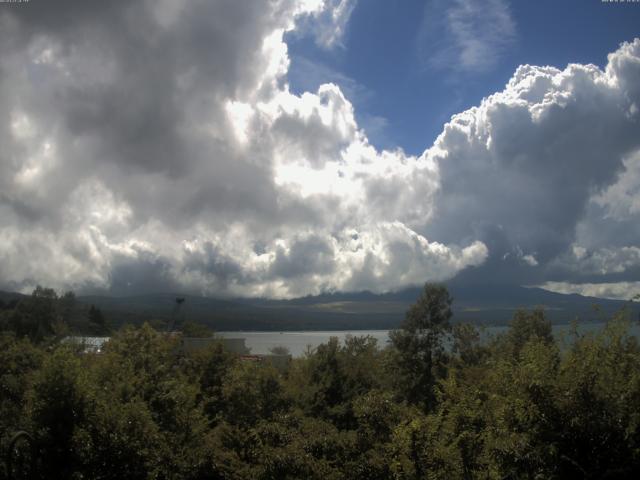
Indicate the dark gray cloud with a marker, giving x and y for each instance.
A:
(307, 256)
(145, 274)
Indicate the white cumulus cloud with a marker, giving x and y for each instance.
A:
(185, 162)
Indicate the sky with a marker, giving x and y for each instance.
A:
(287, 148)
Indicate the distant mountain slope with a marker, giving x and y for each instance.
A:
(6, 297)
(238, 314)
(491, 305)
(364, 310)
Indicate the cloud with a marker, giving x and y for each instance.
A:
(532, 159)
(328, 23)
(606, 239)
(621, 200)
(614, 291)
(603, 261)
(466, 35)
(308, 75)
(158, 147)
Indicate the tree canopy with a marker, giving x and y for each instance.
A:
(439, 402)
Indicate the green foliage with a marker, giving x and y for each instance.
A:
(467, 347)
(253, 392)
(599, 406)
(196, 330)
(37, 317)
(420, 358)
(525, 327)
(429, 406)
(58, 404)
(279, 350)
(19, 360)
(209, 372)
(45, 316)
(332, 377)
(97, 323)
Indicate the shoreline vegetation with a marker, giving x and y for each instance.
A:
(522, 404)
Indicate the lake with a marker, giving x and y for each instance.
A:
(299, 342)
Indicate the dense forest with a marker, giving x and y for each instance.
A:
(437, 402)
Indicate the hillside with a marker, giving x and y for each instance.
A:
(363, 310)
(348, 311)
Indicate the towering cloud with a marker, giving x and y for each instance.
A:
(547, 167)
(157, 146)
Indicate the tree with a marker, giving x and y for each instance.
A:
(196, 330)
(97, 322)
(279, 350)
(253, 391)
(18, 360)
(37, 317)
(419, 353)
(210, 369)
(467, 344)
(525, 327)
(58, 403)
(145, 417)
(329, 380)
(67, 303)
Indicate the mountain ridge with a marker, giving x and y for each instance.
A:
(364, 310)
(484, 305)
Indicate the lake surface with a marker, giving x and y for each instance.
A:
(299, 342)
